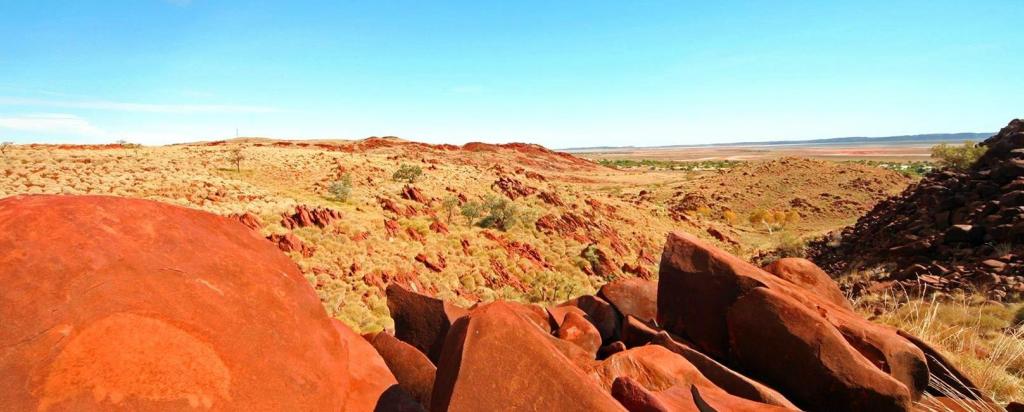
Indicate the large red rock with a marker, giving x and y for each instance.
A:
(600, 313)
(822, 371)
(658, 374)
(729, 380)
(578, 330)
(806, 274)
(414, 372)
(632, 297)
(370, 378)
(112, 303)
(496, 358)
(700, 283)
(637, 398)
(420, 320)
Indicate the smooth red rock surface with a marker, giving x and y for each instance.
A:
(497, 359)
(701, 282)
(579, 331)
(729, 380)
(806, 274)
(369, 376)
(414, 372)
(421, 320)
(821, 370)
(633, 297)
(112, 303)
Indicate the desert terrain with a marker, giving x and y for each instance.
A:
(418, 246)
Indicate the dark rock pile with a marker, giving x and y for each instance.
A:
(954, 230)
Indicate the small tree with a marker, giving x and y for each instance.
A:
(501, 214)
(3, 148)
(471, 211)
(958, 157)
(341, 189)
(407, 173)
(730, 217)
(237, 155)
(449, 204)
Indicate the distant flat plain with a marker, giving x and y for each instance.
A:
(880, 152)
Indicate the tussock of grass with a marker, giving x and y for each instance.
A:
(978, 335)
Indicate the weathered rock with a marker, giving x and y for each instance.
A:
(369, 376)
(807, 275)
(420, 320)
(823, 372)
(636, 332)
(680, 398)
(304, 216)
(632, 297)
(250, 220)
(113, 303)
(578, 330)
(730, 381)
(288, 242)
(600, 313)
(705, 282)
(411, 368)
(412, 193)
(497, 359)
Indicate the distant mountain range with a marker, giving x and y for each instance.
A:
(905, 139)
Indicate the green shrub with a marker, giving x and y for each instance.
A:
(501, 214)
(407, 173)
(449, 204)
(341, 189)
(958, 157)
(471, 211)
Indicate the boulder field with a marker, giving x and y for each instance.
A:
(952, 231)
(113, 303)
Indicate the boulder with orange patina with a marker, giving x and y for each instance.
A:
(113, 303)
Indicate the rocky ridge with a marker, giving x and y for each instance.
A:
(953, 230)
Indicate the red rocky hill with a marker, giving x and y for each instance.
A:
(954, 230)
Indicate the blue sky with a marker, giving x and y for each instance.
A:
(558, 73)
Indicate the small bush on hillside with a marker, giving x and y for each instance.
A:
(236, 156)
(448, 204)
(790, 246)
(471, 211)
(342, 189)
(407, 173)
(773, 220)
(730, 217)
(501, 214)
(958, 157)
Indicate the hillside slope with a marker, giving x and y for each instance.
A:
(577, 224)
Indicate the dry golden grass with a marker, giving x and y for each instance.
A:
(978, 335)
(355, 256)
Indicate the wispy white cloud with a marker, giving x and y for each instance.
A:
(133, 107)
(52, 124)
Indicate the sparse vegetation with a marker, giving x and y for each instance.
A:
(236, 155)
(914, 168)
(341, 190)
(650, 164)
(958, 157)
(448, 205)
(407, 173)
(977, 334)
(773, 220)
(730, 217)
(471, 211)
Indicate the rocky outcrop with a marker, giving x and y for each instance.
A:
(304, 217)
(114, 303)
(953, 230)
(288, 242)
(159, 327)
